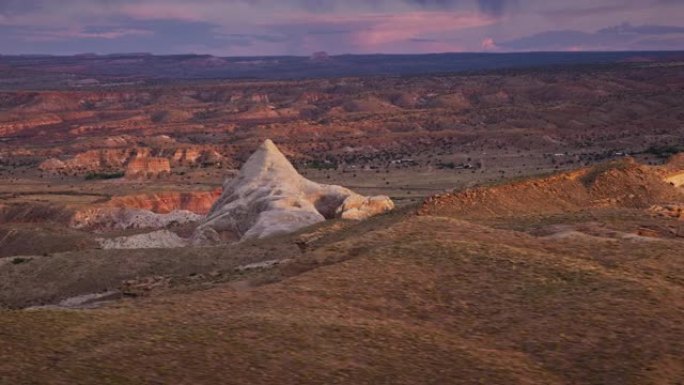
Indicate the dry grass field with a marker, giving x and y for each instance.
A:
(423, 300)
(527, 247)
(591, 295)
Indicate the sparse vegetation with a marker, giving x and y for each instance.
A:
(104, 175)
(494, 278)
(322, 165)
(590, 177)
(664, 152)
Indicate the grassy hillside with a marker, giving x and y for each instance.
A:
(411, 300)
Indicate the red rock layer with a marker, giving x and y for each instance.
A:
(147, 166)
(198, 202)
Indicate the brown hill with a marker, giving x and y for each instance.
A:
(673, 170)
(401, 300)
(621, 183)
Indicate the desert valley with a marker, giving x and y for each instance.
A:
(339, 224)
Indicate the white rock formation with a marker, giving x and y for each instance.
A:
(162, 239)
(123, 219)
(358, 207)
(269, 197)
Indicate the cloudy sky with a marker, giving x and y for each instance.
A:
(300, 27)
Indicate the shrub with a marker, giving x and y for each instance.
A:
(321, 165)
(664, 151)
(104, 175)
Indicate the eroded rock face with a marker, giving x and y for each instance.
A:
(52, 164)
(92, 160)
(144, 211)
(162, 239)
(161, 158)
(186, 155)
(198, 202)
(145, 166)
(269, 197)
(113, 218)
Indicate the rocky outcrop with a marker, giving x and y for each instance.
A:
(198, 202)
(673, 171)
(196, 156)
(358, 207)
(673, 210)
(28, 121)
(137, 161)
(112, 218)
(162, 239)
(118, 141)
(187, 156)
(144, 166)
(269, 197)
(211, 157)
(260, 98)
(100, 159)
(52, 164)
(92, 160)
(676, 180)
(145, 211)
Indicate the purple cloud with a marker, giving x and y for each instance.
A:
(266, 27)
(621, 37)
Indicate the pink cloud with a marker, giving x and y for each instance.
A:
(488, 44)
(78, 33)
(393, 28)
(395, 32)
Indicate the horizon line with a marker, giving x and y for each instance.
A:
(94, 54)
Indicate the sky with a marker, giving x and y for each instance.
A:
(301, 27)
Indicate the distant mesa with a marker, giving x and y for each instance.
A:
(130, 54)
(207, 61)
(320, 56)
(269, 197)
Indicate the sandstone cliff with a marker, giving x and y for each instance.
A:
(91, 160)
(145, 166)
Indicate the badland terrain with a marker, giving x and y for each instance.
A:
(431, 219)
